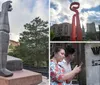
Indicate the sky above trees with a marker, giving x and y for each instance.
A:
(23, 12)
(89, 11)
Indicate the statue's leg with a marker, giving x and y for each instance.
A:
(73, 31)
(4, 42)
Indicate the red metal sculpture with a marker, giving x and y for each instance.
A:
(76, 33)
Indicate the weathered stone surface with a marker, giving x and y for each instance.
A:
(14, 64)
(92, 64)
(23, 77)
(4, 38)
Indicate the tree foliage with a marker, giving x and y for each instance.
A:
(52, 35)
(33, 49)
(91, 36)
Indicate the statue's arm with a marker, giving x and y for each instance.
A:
(0, 14)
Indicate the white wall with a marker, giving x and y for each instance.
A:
(92, 72)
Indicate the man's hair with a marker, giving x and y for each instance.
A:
(69, 50)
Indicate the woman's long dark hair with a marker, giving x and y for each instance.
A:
(56, 50)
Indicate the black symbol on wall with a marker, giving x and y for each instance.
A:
(95, 62)
(96, 50)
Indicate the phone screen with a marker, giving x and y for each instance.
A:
(81, 64)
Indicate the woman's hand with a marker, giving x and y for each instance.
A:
(77, 69)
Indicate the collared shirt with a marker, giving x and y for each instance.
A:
(67, 68)
(56, 74)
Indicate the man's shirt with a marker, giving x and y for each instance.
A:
(67, 67)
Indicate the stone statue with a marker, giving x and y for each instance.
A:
(4, 38)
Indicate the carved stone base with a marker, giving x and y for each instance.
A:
(14, 64)
(23, 77)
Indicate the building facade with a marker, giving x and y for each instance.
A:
(91, 27)
(61, 30)
(14, 43)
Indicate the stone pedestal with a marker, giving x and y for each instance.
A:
(14, 64)
(23, 77)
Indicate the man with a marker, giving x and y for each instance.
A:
(69, 56)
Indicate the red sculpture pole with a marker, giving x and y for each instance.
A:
(76, 33)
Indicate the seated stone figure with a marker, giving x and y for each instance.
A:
(4, 38)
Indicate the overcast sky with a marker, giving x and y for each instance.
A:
(23, 12)
(89, 11)
(26, 10)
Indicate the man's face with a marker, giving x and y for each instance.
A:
(71, 57)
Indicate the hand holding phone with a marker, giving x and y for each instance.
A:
(81, 64)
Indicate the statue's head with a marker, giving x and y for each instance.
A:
(74, 6)
(6, 6)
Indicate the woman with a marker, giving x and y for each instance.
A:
(57, 72)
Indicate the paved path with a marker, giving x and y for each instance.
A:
(45, 81)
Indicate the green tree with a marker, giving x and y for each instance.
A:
(34, 43)
(52, 35)
(91, 36)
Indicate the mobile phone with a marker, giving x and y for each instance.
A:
(81, 64)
